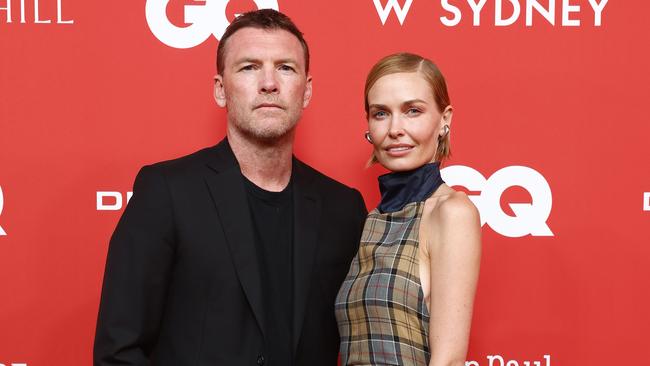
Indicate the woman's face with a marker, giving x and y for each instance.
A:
(404, 121)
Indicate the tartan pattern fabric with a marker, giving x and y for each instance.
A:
(380, 308)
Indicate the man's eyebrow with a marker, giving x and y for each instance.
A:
(258, 61)
(286, 61)
(248, 60)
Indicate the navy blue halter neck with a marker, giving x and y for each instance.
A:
(398, 189)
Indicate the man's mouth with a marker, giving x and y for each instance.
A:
(268, 105)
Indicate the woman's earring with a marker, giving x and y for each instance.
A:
(368, 138)
(446, 132)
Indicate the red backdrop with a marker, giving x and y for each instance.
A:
(103, 88)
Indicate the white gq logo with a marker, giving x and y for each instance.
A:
(2, 201)
(530, 217)
(204, 19)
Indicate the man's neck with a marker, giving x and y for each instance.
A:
(265, 163)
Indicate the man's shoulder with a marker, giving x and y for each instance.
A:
(194, 158)
(187, 164)
(324, 182)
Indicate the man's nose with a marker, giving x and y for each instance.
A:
(268, 82)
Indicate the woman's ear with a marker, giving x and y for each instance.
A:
(445, 120)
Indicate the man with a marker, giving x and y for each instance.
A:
(233, 255)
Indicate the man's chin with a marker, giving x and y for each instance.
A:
(269, 137)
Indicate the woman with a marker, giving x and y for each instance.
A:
(408, 297)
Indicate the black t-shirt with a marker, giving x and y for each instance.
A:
(272, 217)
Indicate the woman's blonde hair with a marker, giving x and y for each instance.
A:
(408, 62)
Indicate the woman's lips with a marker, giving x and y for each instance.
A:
(398, 150)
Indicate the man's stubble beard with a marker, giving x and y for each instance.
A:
(264, 135)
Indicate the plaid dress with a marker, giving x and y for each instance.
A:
(380, 308)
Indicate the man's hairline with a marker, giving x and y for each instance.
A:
(266, 29)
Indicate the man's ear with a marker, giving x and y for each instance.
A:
(307, 95)
(219, 92)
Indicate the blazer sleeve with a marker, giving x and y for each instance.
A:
(361, 211)
(137, 273)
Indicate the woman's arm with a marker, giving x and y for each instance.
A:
(454, 252)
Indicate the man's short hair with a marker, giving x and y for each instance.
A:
(267, 19)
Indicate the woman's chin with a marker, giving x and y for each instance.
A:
(400, 165)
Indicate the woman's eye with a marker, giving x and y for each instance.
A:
(413, 111)
(379, 114)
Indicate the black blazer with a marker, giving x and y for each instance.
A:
(182, 286)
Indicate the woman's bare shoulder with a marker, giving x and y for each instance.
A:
(450, 213)
(447, 203)
(456, 206)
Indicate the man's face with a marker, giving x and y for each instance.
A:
(264, 85)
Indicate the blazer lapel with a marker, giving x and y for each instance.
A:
(226, 187)
(306, 223)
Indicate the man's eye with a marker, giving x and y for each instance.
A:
(286, 68)
(248, 67)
